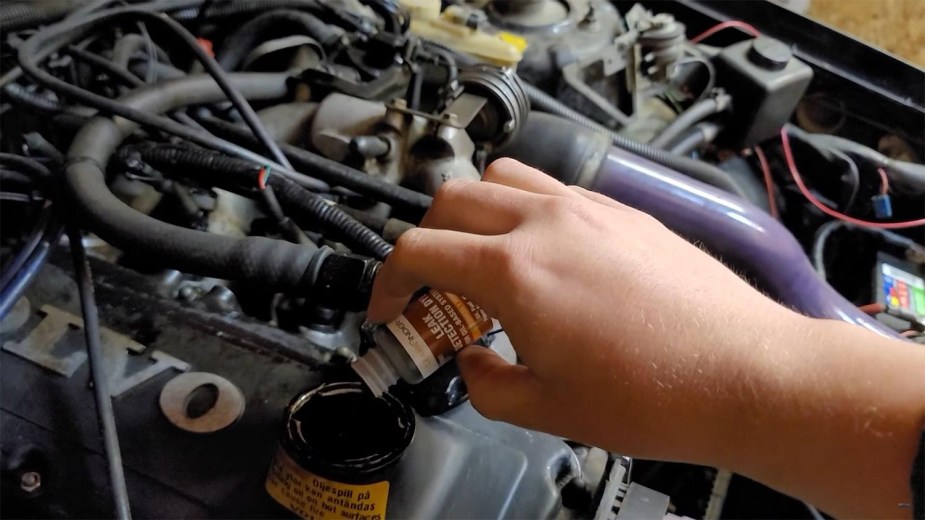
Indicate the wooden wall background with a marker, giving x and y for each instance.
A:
(897, 26)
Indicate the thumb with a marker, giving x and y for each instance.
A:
(498, 389)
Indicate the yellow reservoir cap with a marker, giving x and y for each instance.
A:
(502, 49)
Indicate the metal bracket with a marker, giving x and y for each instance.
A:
(612, 61)
(458, 114)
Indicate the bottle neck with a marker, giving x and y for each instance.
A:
(376, 371)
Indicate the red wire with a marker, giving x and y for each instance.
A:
(768, 181)
(206, 46)
(725, 25)
(791, 164)
(884, 182)
(262, 179)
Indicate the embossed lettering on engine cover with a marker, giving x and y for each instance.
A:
(43, 347)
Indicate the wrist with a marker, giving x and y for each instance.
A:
(837, 411)
(765, 387)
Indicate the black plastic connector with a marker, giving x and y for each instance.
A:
(342, 280)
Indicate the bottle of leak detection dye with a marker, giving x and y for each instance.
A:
(338, 451)
(430, 331)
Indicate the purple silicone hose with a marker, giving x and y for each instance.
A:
(741, 233)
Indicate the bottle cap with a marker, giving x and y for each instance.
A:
(376, 371)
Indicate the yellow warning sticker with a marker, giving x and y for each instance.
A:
(316, 498)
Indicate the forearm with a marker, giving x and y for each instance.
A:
(837, 420)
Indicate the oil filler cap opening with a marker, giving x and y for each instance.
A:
(340, 431)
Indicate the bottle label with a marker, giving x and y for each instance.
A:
(436, 325)
(315, 498)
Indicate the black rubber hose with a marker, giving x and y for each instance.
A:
(123, 75)
(272, 263)
(826, 230)
(330, 171)
(329, 215)
(43, 147)
(31, 167)
(300, 203)
(22, 277)
(16, 180)
(396, 20)
(280, 22)
(113, 70)
(225, 9)
(909, 175)
(22, 97)
(372, 221)
(162, 71)
(690, 117)
(562, 148)
(46, 41)
(12, 268)
(21, 15)
(126, 47)
(30, 13)
(699, 170)
(833, 155)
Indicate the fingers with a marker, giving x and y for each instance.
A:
(454, 248)
(597, 197)
(443, 259)
(476, 207)
(498, 389)
(515, 174)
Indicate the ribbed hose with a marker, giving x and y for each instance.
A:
(698, 170)
(22, 97)
(280, 22)
(274, 264)
(331, 216)
(332, 172)
(299, 202)
(21, 15)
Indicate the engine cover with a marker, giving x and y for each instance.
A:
(459, 464)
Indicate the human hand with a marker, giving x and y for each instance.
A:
(612, 315)
(632, 339)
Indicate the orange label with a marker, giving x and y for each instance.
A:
(436, 325)
(315, 498)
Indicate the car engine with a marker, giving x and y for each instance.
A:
(197, 196)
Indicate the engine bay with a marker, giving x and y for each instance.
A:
(198, 194)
